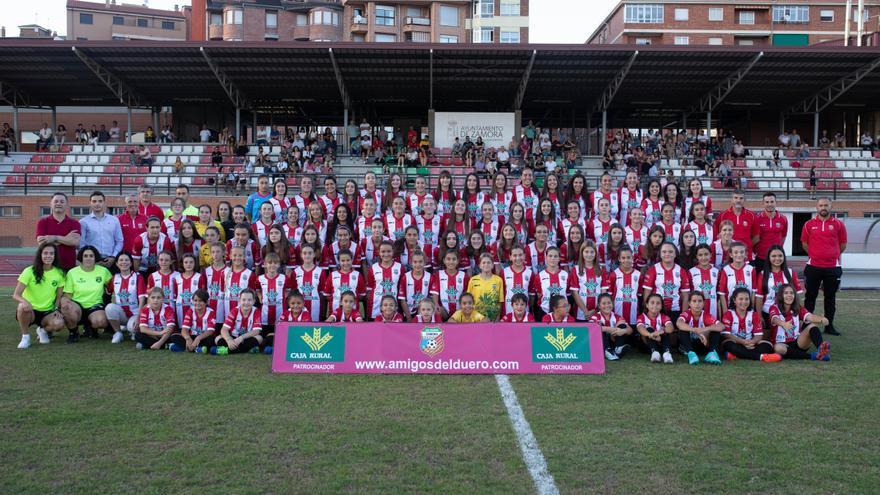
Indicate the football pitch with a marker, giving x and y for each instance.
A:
(99, 418)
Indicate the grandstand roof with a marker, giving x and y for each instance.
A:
(394, 79)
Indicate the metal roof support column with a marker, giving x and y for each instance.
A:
(54, 122)
(604, 100)
(346, 100)
(521, 91)
(113, 82)
(431, 79)
(156, 130)
(815, 129)
(15, 126)
(684, 122)
(235, 95)
(346, 139)
(128, 130)
(828, 95)
(13, 96)
(601, 136)
(709, 125)
(237, 125)
(713, 98)
(781, 122)
(255, 125)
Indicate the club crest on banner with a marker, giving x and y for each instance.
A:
(432, 341)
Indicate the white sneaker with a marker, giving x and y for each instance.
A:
(667, 357)
(655, 357)
(43, 335)
(117, 338)
(610, 355)
(25, 341)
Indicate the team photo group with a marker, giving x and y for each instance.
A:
(659, 267)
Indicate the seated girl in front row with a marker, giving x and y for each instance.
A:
(347, 311)
(615, 330)
(743, 333)
(197, 330)
(427, 312)
(699, 328)
(466, 313)
(655, 328)
(793, 328)
(519, 303)
(156, 321)
(240, 332)
(388, 312)
(559, 310)
(295, 310)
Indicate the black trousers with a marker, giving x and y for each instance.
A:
(743, 352)
(689, 344)
(245, 346)
(148, 340)
(829, 280)
(653, 345)
(179, 340)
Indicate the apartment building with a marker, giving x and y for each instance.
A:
(745, 22)
(109, 21)
(419, 21)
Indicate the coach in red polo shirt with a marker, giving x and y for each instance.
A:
(146, 207)
(824, 240)
(60, 229)
(772, 230)
(133, 223)
(745, 224)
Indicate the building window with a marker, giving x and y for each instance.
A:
(510, 36)
(484, 8)
(360, 38)
(216, 19)
(747, 17)
(449, 16)
(324, 17)
(826, 15)
(302, 20)
(233, 16)
(799, 14)
(385, 38)
(448, 38)
(484, 35)
(745, 42)
(419, 37)
(681, 14)
(842, 215)
(415, 12)
(85, 18)
(384, 15)
(271, 19)
(649, 13)
(716, 41)
(118, 20)
(643, 41)
(75, 211)
(167, 24)
(10, 211)
(716, 14)
(510, 7)
(682, 40)
(142, 23)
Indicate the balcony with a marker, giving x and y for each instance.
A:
(417, 25)
(215, 32)
(359, 24)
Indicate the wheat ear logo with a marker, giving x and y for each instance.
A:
(561, 341)
(316, 341)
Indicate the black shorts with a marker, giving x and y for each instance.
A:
(267, 330)
(38, 316)
(88, 311)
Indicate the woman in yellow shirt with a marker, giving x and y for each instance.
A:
(487, 289)
(206, 220)
(466, 314)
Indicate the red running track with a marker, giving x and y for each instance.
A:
(11, 266)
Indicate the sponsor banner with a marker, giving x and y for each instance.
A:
(496, 128)
(439, 348)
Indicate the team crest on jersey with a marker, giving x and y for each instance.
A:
(668, 288)
(706, 287)
(452, 293)
(591, 287)
(432, 341)
(555, 290)
(627, 291)
(387, 286)
(702, 239)
(428, 237)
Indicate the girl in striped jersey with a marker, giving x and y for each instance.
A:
(309, 279)
(489, 224)
(547, 217)
(695, 194)
(667, 279)
(624, 285)
(316, 219)
(347, 311)
(197, 328)
(156, 321)
(260, 227)
(128, 294)
(305, 198)
(448, 284)
(405, 247)
(572, 219)
(186, 283)
(188, 241)
(242, 239)
(519, 312)
(721, 246)
(743, 333)
(704, 279)
(344, 279)
(655, 329)
(370, 191)
(650, 251)
(414, 286)
(586, 281)
(351, 197)
(607, 252)
(606, 192)
(571, 249)
(500, 198)
(553, 192)
(415, 200)
(521, 225)
(281, 203)
(475, 249)
(699, 224)
(388, 311)
(472, 196)
(699, 329)
(630, 196)
(526, 194)
(517, 279)
(793, 328)
(272, 290)
(292, 229)
(236, 278)
(445, 195)
(577, 192)
(397, 220)
(364, 223)
(430, 225)
(278, 245)
(394, 188)
(636, 231)
(241, 330)
(672, 196)
(164, 278)
(214, 280)
(343, 242)
(309, 238)
(615, 330)
(669, 223)
(687, 249)
(383, 279)
(501, 249)
(459, 221)
(600, 224)
(777, 274)
(652, 202)
(737, 274)
(560, 310)
(536, 251)
(148, 245)
(549, 282)
(294, 309)
(369, 246)
(427, 313)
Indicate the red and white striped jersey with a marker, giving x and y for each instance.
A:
(369, 250)
(336, 283)
(198, 324)
(293, 234)
(429, 232)
(549, 318)
(671, 231)
(272, 295)
(350, 317)
(512, 318)
(309, 283)
(214, 284)
(434, 319)
(414, 202)
(653, 324)
(612, 198)
(171, 228)
(279, 209)
(330, 254)
(669, 283)
(396, 227)
(329, 204)
(528, 198)
(183, 291)
(240, 323)
(233, 283)
(720, 256)
(290, 317)
(157, 320)
(166, 282)
(475, 204)
(127, 291)
(376, 194)
(364, 227)
(744, 327)
(448, 288)
(535, 256)
(588, 285)
(566, 226)
(517, 283)
(303, 204)
(501, 203)
(405, 256)
(252, 256)
(628, 199)
(689, 201)
(148, 252)
(702, 320)
(321, 227)
(705, 281)
(635, 238)
(609, 320)
(730, 279)
(548, 284)
(397, 318)
(704, 232)
(414, 290)
(777, 279)
(598, 229)
(382, 281)
(261, 231)
(778, 334)
(625, 289)
(491, 231)
(444, 202)
(652, 210)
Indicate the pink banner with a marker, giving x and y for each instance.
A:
(443, 348)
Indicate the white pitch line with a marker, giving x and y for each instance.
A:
(528, 445)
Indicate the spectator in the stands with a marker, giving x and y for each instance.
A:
(166, 136)
(44, 138)
(839, 140)
(189, 211)
(503, 159)
(150, 135)
(60, 229)
(146, 207)
(456, 148)
(866, 141)
(145, 158)
(785, 139)
(204, 134)
(745, 222)
(412, 138)
(132, 223)
(7, 138)
(114, 132)
(101, 230)
(795, 139)
(60, 135)
(179, 167)
(803, 152)
(739, 151)
(824, 142)
(103, 135)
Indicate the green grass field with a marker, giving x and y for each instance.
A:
(97, 418)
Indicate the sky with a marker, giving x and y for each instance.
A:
(551, 21)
